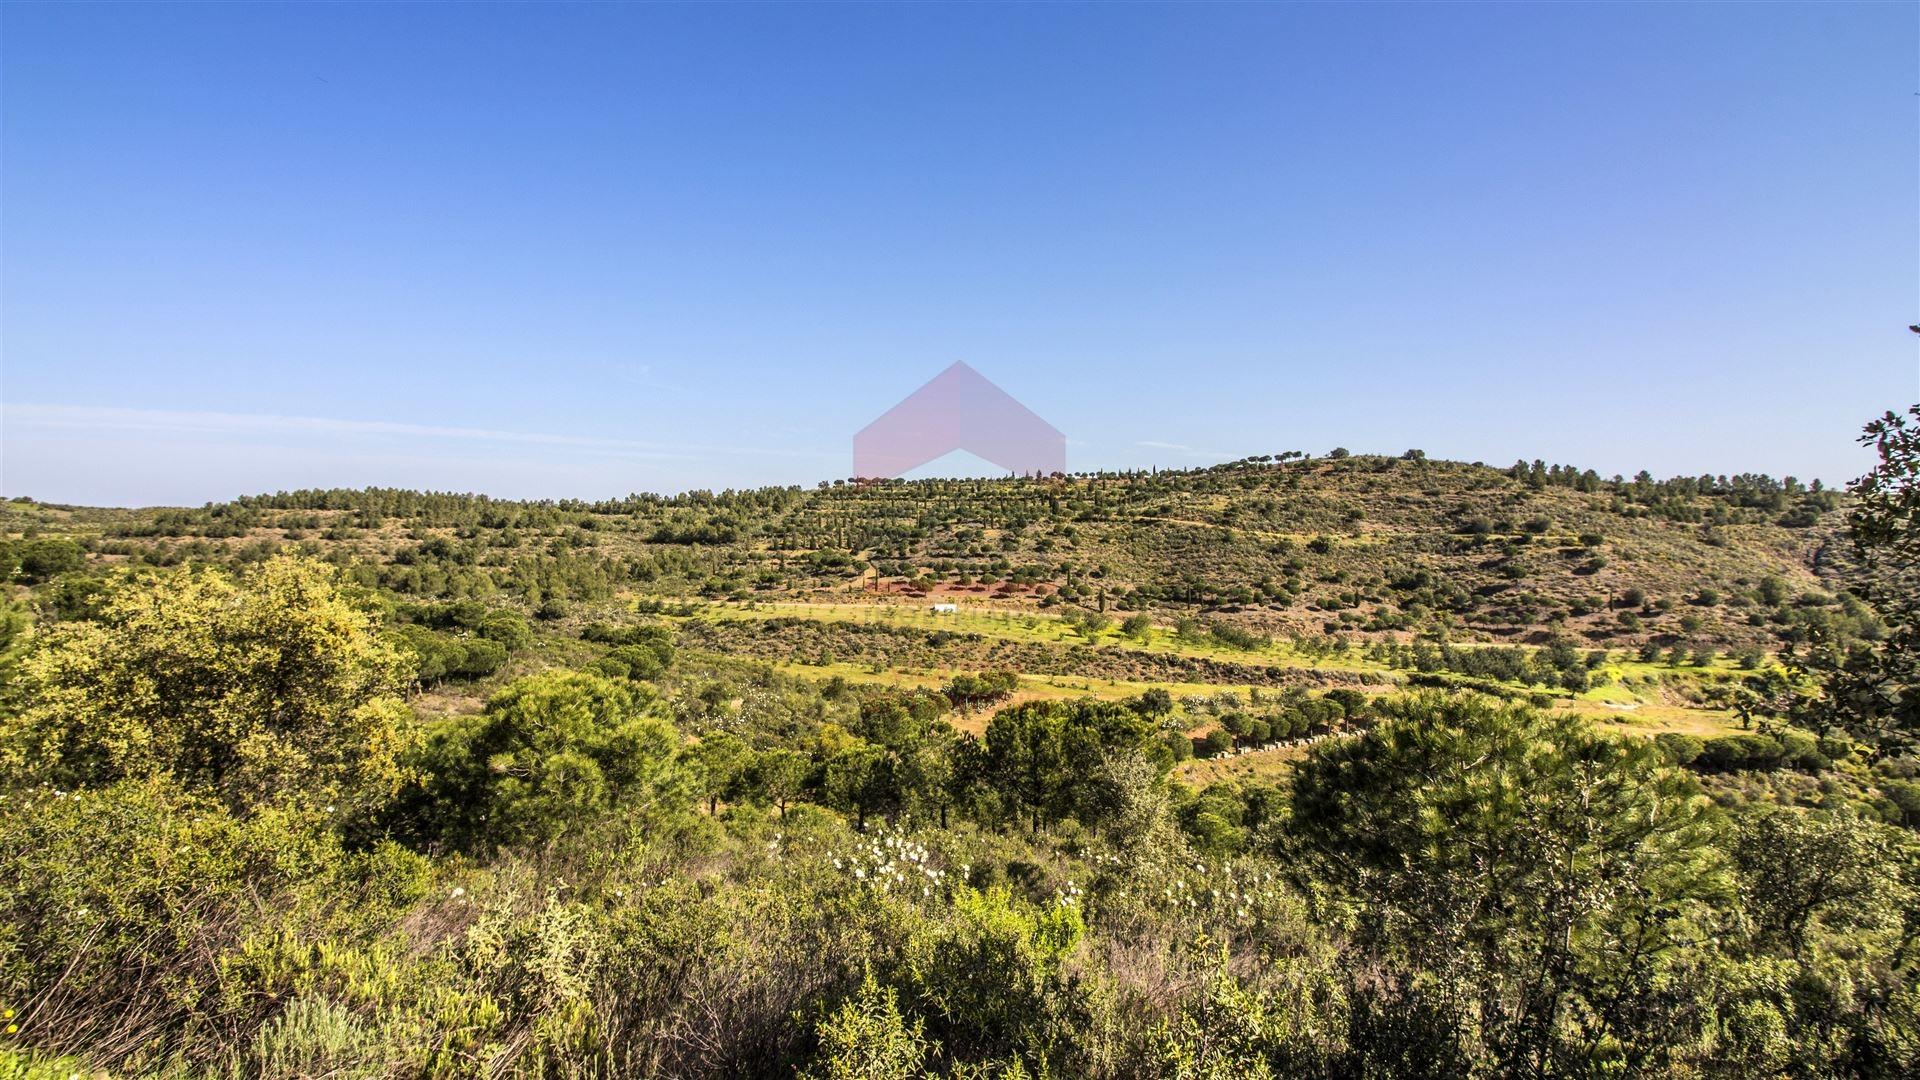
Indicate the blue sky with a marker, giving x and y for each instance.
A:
(581, 251)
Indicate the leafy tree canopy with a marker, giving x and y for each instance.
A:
(549, 752)
(269, 685)
(1553, 871)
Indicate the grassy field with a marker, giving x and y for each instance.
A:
(1640, 720)
(1636, 698)
(1013, 624)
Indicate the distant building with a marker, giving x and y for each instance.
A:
(945, 609)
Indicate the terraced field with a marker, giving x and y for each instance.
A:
(1637, 603)
(896, 644)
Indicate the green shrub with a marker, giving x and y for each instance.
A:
(123, 911)
(1678, 747)
(314, 1036)
(436, 656)
(645, 650)
(1730, 753)
(992, 975)
(1179, 745)
(1215, 742)
(867, 1038)
(46, 558)
(269, 687)
(550, 752)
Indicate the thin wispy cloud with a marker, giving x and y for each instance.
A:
(196, 422)
(1180, 448)
(641, 375)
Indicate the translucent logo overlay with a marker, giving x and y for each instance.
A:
(958, 409)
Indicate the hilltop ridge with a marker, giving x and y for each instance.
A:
(1371, 547)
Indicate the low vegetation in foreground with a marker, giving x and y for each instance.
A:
(1297, 767)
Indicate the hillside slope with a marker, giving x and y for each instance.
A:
(1368, 547)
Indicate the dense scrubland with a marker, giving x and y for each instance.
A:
(1298, 766)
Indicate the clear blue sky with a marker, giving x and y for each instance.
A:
(537, 250)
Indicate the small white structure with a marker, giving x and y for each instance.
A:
(944, 609)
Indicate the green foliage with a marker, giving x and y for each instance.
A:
(776, 776)
(972, 691)
(1830, 872)
(1216, 742)
(1235, 637)
(1468, 889)
(550, 752)
(14, 625)
(268, 687)
(1679, 748)
(1089, 624)
(1047, 758)
(833, 879)
(1872, 687)
(868, 1039)
(316, 1036)
(1229, 1033)
(640, 652)
(437, 656)
(720, 764)
(993, 975)
(1784, 749)
(124, 908)
(41, 559)
(1555, 871)
(1154, 702)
